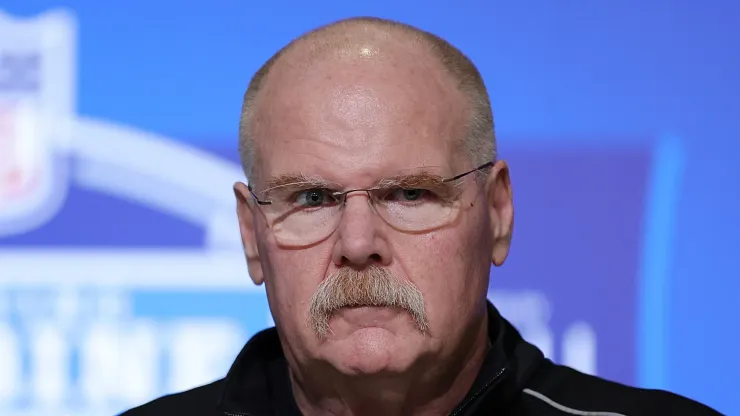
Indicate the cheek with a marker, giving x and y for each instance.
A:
(446, 267)
(291, 278)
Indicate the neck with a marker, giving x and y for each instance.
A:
(429, 388)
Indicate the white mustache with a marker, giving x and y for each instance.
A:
(373, 286)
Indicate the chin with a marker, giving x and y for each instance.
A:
(370, 351)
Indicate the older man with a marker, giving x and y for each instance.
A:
(374, 210)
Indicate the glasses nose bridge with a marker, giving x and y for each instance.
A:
(371, 198)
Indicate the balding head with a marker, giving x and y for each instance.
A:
(361, 140)
(389, 46)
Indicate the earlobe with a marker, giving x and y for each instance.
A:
(501, 207)
(245, 213)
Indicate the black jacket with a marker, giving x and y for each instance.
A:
(515, 380)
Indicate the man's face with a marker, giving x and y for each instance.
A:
(355, 122)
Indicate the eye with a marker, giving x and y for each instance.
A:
(408, 194)
(314, 197)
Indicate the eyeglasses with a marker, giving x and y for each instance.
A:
(307, 210)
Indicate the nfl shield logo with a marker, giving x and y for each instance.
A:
(36, 104)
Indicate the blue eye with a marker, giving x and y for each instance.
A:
(314, 197)
(408, 194)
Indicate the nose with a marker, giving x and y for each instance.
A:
(361, 240)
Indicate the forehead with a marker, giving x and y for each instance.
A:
(357, 119)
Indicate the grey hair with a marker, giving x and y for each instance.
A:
(480, 142)
(373, 286)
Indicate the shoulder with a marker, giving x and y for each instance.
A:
(199, 401)
(563, 390)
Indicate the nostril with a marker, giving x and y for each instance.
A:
(371, 259)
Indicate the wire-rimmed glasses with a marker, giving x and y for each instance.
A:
(303, 210)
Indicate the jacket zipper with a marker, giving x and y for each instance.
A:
(460, 410)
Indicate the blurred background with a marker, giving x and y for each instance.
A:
(121, 276)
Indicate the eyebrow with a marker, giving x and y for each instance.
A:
(296, 179)
(423, 179)
(413, 180)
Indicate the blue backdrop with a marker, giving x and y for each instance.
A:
(120, 252)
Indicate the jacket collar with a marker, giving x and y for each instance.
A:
(258, 383)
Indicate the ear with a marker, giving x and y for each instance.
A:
(501, 207)
(245, 211)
